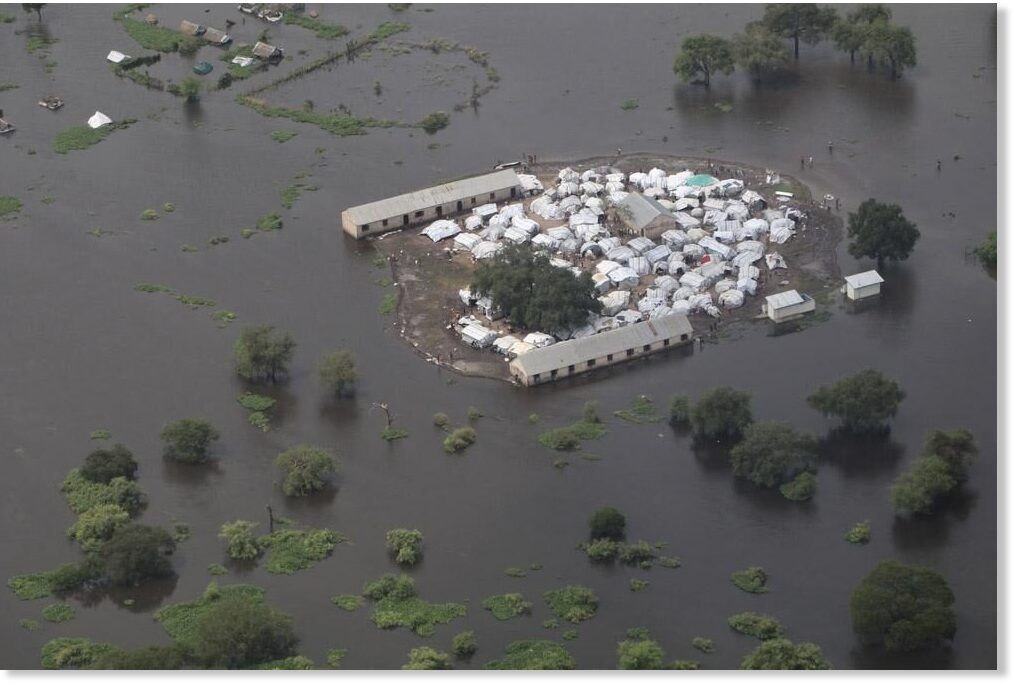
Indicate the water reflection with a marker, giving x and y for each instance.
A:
(921, 531)
(861, 457)
(139, 600)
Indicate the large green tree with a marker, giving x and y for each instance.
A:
(533, 293)
(863, 401)
(639, 652)
(805, 22)
(902, 607)
(956, 447)
(135, 553)
(240, 541)
(772, 454)
(849, 32)
(784, 655)
(187, 440)
(427, 659)
(152, 658)
(262, 354)
(102, 465)
(891, 45)
(239, 633)
(701, 56)
(759, 51)
(880, 230)
(917, 490)
(607, 522)
(721, 412)
(307, 469)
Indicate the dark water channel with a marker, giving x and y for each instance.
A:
(82, 350)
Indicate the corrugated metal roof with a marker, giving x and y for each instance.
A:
(864, 279)
(785, 299)
(642, 210)
(580, 350)
(431, 197)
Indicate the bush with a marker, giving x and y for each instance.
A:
(859, 533)
(639, 654)
(440, 420)
(574, 603)
(602, 549)
(293, 550)
(187, 440)
(136, 553)
(261, 354)
(590, 412)
(307, 469)
(474, 414)
(459, 439)
(721, 413)
(902, 608)
(637, 584)
(463, 644)
(432, 123)
(800, 488)
(335, 657)
(986, 252)
(540, 655)
(702, 644)
(83, 495)
(608, 523)
(337, 371)
(917, 490)
(639, 553)
(152, 658)
(58, 613)
(679, 410)
(507, 606)
(253, 402)
(102, 465)
(348, 602)
(562, 439)
(863, 401)
(406, 545)
(390, 585)
(238, 632)
(72, 652)
(240, 542)
(751, 579)
(427, 659)
(782, 655)
(97, 525)
(772, 454)
(756, 625)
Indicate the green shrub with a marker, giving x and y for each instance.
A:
(335, 657)
(859, 533)
(405, 545)
(390, 585)
(630, 104)
(507, 606)
(97, 525)
(463, 644)
(294, 550)
(474, 414)
(459, 439)
(187, 440)
(427, 659)
(602, 549)
(28, 624)
(181, 621)
(283, 136)
(638, 553)
(102, 465)
(607, 522)
(562, 439)
(217, 570)
(149, 215)
(574, 603)
(240, 542)
(515, 572)
(685, 665)
(702, 644)
(722, 412)
(289, 663)
(641, 411)
(72, 652)
(307, 469)
(435, 121)
(669, 562)
(782, 655)
(260, 420)
(9, 205)
(253, 402)
(348, 602)
(534, 655)
(58, 613)
(441, 420)
(82, 494)
(986, 252)
(756, 625)
(636, 584)
(83, 137)
(679, 410)
(800, 488)
(752, 579)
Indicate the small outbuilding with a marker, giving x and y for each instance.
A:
(644, 216)
(861, 286)
(266, 52)
(788, 305)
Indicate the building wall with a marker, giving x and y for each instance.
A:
(865, 291)
(426, 215)
(582, 367)
(786, 313)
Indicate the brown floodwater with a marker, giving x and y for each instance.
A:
(82, 350)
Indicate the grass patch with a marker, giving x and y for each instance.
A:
(194, 301)
(570, 437)
(800, 488)
(31, 585)
(217, 570)
(72, 652)
(752, 579)
(98, 232)
(156, 38)
(388, 304)
(459, 440)
(515, 572)
(83, 137)
(152, 288)
(859, 534)
(322, 29)
(756, 625)
(391, 434)
(7, 86)
(181, 620)
(223, 316)
(628, 105)
(283, 136)
(149, 215)
(507, 606)
(397, 605)
(293, 550)
(669, 562)
(253, 402)
(83, 495)
(39, 43)
(259, 420)
(723, 107)
(269, 222)
(293, 192)
(642, 410)
(348, 602)
(335, 657)
(100, 435)
(703, 645)
(58, 613)
(574, 603)
(28, 624)
(335, 124)
(534, 655)
(9, 205)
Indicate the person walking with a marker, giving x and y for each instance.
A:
(830, 147)
(811, 161)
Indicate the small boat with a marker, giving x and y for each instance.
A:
(6, 127)
(203, 68)
(51, 102)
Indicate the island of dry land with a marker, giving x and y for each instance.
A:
(429, 275)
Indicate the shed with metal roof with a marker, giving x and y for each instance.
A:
(863, 285)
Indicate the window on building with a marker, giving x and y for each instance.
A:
(647, 348)
(609, 358)
(570, 368)
(591, 363)
(492, 196)
(630, 352)
(404, 219)
(473, 200)
(440, 211)
(683, 336)
(552, 374)
(460, 206)
(665, 343)
(535, 378)
(365, 228)
(514, 193)
(418, 214)
(384, 222)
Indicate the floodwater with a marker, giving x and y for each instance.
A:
(83, 351)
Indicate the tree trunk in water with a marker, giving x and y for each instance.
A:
(707, 78)
(796, 40)
(852, 57)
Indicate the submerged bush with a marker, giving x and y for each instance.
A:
(756, 625)
(427, 659)
(463, 644)
(459, 439)
(507, 606)
(102, 465)
(187, 440)
(800, 488)
(532, 655)
(574, 603)
(294, 550)
(859, 533)
(679, 410)
(240, 542)
(752, 579)
(608, 523)
(405, 545)
(307, 469)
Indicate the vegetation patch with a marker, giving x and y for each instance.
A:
(348, 602)
(756, 625)
(388, 304)
(335, 124)
(859, 534)
(986, 252)
(293, 550)
(58, 613)
(800, 488)
(73, 652)
(398, 605)
(459, 440)
(292, 193)
(637, 584)
(515, 572)
(752, 579)
(181, 620)
(641, 411)
(152, 288)
(149, 215)
(723, 107)
(154, 37)
(570, 437)
(335, 656)
(507, 606)
(82, 494)
(283, 136)
(83, 137)
(574, 603)
(633, 103)
(29, 624)
(217, 570)
(463, 644)
(703, 644)
(100, 435)
(322, 29)
(9, 206)
(391, 434)
(669, 562)
(254, 402)
(534, 655)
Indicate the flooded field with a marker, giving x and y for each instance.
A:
(83, 350)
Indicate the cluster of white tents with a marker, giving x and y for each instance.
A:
(711, 261)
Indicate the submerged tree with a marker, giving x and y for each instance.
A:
(799, 21)
(607, 523)
(135, 553)
(338, 371)
(405, 545)
(701, 56)
(902, 608)
(240, 542)
(261, 354)
(722, 412)
(863, 401)
(942, 468)
(307, 469)
(102, 465)
(784, 655)
(639, 652)
(533, 293)
(759, 51)
(190, 88)
(187, 440)
(891, 45)
(427, 659)
(241, 632)
(849, 33)
(772, 454)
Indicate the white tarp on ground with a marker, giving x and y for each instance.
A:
(674, 238)
(750, 246)
(730, 187)
(539, 339)
(560, 233)
(486, 210)
(681, 307)
(677, 261)
(683, 292)
(695, 234)
(602, 282)
(588, 232)
(466, 241)
(700, 301)
(569, 245)
(724, 284)
(731, 299)
(595, 205)
(750, 197)
(693, 251)
(667, 284)
(738, 211)
(745, 259)
(716, 248)
(583, 217)
(659, 253)
(654, 192)
(640, 266)
(529, 226)
(530, 183)
(567, 174)
(641, 245)
(616, 177)
(775, 261)
(477, 335)
(486, 249)
(621, 254)
(614, 187)
(546, 208)
(494, 231)
(693, 280)
(545, 242)
(516, 235)
(566, 189)
(117, 57)
(609, 243)
(472, 222)
(520, 348)
(747, 285)
(98, 120)
(614, 302)
(748, 272)
(242, 61)
(659, 312)
(511, 214)
(754, 227)
(624, 277)
(781, 231)
(441, 229)
(712, 271)
(628, 316)
(591, 188)
(606, 265)
(570, 203)
(617, 196)
(504, 344)
(686, 203)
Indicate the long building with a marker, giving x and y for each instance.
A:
(429, 204)
(572, 357)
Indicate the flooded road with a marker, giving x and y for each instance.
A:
(82, 350)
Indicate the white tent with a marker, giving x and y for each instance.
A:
(98, 120)
(117, 57)
(614, 302)
(624, 277)
(486, 249)
(441, 229)
(466, 241)
(640, 265)
(539, 339)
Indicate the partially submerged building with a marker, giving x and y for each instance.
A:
(644, 216)
(217, 37)
(572, 357)
(266, 52)
(788, 305)
(189, 28)
(429, 204)
(863, 285)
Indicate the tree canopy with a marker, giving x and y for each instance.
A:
(427, 659)
(941, 469)
(891, 45)
(608, 523)
(639, 652)
(307, 469)
(784, 655)
(135, 553)
(759, 51)
(240, 542)
(772, 454)
(262, 354)
(721, 412)
(805, 22)
(102, 465)
(338, 371)
(239, 633)
(863, 401)
(405, 545)
(701, 56)
(533, 293)
(902, 607)
(187, 440)
(849, 33)
(881, 231)
(152, 658)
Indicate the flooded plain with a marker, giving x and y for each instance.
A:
(82, 350)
